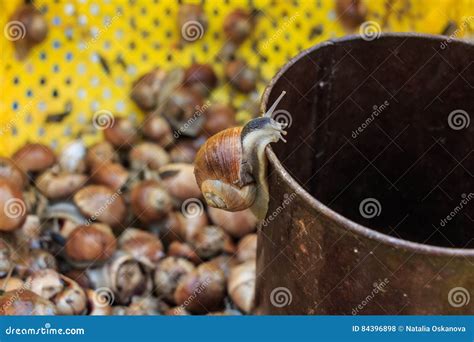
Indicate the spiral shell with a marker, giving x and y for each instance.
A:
(218, 170)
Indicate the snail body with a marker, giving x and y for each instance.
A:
(230, 168)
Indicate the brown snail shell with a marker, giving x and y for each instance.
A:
(238, 25)
(351, 13)
(150, 201)
(178, 179)
(121, 134)
(168, 274)
(56, 185)
(72, 300)
(218, 117)
(221, 185)
(98, 202)
(33, 30)
(148, 155)
(11, 284)
(157, 129)
(142, 245)
(241, 76)
(113, 175)
(230, 167)
(90, 244)
(100, 153)
(247, 248)
(183, 250)
(202, 290)
(201, 78)
(209, 241)
(183, 110)
(145, 90)
(122, 277)
(241, 285)
(13, 173)
(23, 302)
(237, 224)
(183, 152)
(34, 158)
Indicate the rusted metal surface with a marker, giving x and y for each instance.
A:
(318, 251)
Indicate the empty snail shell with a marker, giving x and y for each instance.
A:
(230, 168)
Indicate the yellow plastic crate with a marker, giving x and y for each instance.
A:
(132, 37)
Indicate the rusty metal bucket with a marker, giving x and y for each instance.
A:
(372, 203)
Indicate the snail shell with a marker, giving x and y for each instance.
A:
(230, 167)
(222, 186)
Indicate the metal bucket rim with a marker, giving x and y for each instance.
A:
(321, 208)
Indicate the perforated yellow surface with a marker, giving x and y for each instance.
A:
(131, 37)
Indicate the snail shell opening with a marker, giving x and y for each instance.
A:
(225, 196)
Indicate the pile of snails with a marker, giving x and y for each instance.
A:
(156, 218)
(118, 229)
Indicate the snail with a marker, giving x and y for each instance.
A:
(230, 168)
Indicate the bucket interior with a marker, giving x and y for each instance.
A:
(381, 133)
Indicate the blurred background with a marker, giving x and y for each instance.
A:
(95, 50)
